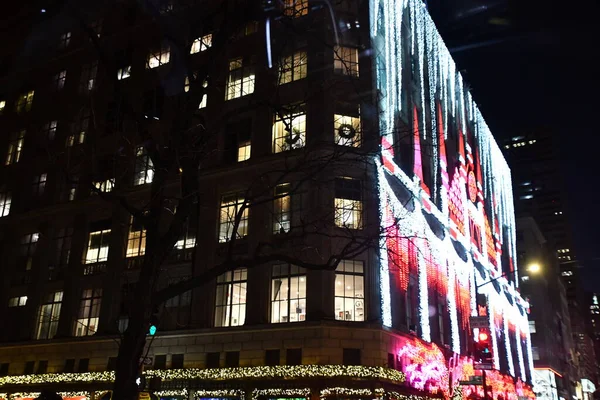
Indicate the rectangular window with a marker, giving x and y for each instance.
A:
(282, 210)
(230, 305)
(293, 357)
(2, 106)
(4, 369)
(24, 102)
(348, 203)
(49, 313)
(136, 240)
(159, 57)
(160, 361)
(88, 78)
(62, 250)
(79, 128)
(288, 294)
(347, 130)
(68, 188)
(272, 357)
(15, 147)
(188, 238)
(69, 365)
(49, 130)
(65, 39)
(295, 8)
(39, 184)
(19, 301)
(124, 72)
(183, 300)
(84, 365)
(177, 361)
(89, 312)
(5, 202)
(28, 248)
(231, 206)
(106, 185)
(29, 366)
(532, 327)
(351, 357)
(289, 130)
(238, 143)
(345, 61)
(213, 359)
(144, 168)
(240, 81)
(98, 245)
(232, 359)
(201, 44)
(60, 79)
(350, 291)
(244, 148)
(292, 68)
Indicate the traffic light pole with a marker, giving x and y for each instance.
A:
(485, 391)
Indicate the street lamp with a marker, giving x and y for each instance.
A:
(533, 268)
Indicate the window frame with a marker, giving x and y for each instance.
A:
(144, 167)
(282, 208)
(227, 220)
(347, 122)
(293, 277)
(24, 102)
(201, 44)
(342, 272)
(15, 147)
(136, 240)
(88, 316)
(295, 8)
(346, 61)
(348, 204)
(5, 202)
(293, 67)
(295, 118)
(158, 58)
(48, 321)
(225, 300)
(102, 250)
(241, 79)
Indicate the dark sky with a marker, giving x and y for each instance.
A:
(535, 65)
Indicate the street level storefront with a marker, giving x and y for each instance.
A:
(422, 373)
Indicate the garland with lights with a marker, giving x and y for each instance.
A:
(238, 393)
(302, 392)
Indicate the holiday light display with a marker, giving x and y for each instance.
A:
(461, 216)
(294, 393)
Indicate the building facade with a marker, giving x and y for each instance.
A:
(339, 132)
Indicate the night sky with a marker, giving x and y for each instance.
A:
(530, 65)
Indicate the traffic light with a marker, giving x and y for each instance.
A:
(483, 347)
(153, 326)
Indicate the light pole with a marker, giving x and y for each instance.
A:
(533, 268)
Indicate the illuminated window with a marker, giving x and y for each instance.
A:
(292, 68)
(288, 294)
(158, 58)
(49, 313)
(282, 210)
(347, 130)
(532, 326)
(188, 238)
(201, 44)
(348, 203)
(124, 73)
(28, 248)
(105, 186)
(88, 78)
(79, 128)
(144, 168)
(89, 312)
(136, 240)
(49, 130)
(230, 304)
(98, 245)
(2, 106)
(231, 206)
(295, 8)
(24, 101)
(345, 61)
(186, 88)
(183, 300)
(15, 147)
(59, 79)
(350, 291)
(5, 202)
(289, 130)
(241, 79)
(19, 301)
(244, 148)
(65, 39)
(39, 184)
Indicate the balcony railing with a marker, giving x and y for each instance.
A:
(94, 269)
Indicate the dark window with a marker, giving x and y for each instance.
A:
(3, 369)
(232, 359)
(29, 365)
(153, 103)
(293, 356)
(42, 367)
(160, 361)
(212, 360)
(84, 363)
(351, 357)
(69, 365)
(177, 361)
(112, 364)
(272, 357)
(391, 361)
(238, 136)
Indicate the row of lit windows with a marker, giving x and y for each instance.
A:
(520, 144)
(288, 300)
